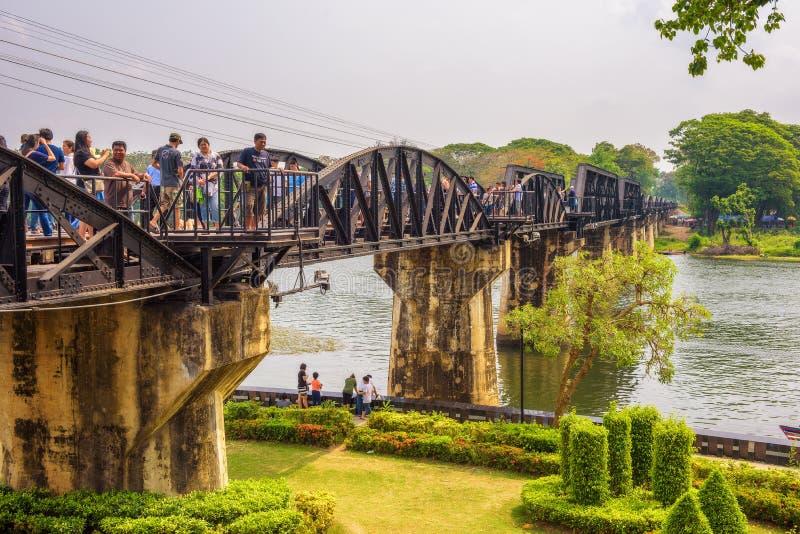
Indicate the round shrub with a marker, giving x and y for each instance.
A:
(618, 425)
(685, 517)
(720, 507)
(588, 445)
(318, 507)
(564, 426)
(643, 419)
(672, 460)
(240, 410)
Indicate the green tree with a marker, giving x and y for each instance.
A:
(463, 156)
(716, 153)
(738, 213)
(638, 162)
(604, 155)
(619, 308)
(723, 24)
(667, 187)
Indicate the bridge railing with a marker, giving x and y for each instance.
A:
(210, 201)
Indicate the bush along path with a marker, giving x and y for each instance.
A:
(244, 507)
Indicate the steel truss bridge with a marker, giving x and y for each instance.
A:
(376, 200)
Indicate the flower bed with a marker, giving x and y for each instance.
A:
(634, 513)
(458, 450)
(261, 506)
(531, 437)
(319, 426)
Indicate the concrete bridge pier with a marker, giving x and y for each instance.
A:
(127, 396)
(442, 327)
(530, 273)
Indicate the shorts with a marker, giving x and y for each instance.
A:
(347, 399)
(302, 390)
(168, 195)
(251, 195)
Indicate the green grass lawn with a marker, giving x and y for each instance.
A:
(396, 495)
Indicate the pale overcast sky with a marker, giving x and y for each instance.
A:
(574, 71)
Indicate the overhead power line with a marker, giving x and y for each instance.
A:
(164, 100)
(190, 77)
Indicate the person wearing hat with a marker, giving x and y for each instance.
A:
(171, 164)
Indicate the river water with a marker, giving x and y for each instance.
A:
(742, 376)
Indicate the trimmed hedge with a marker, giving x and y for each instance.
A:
(245, 415)
(720, 507)
(672, 456)
(272, 522)
(588, 463)
(618, 425)
(635, 513)
(154, 525)
(643, 419)
(564, 426)
(280, 430)
(531, 437)
(459, 450)
(685, 517)
(121, 512)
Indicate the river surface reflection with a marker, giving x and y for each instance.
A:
(743, 376)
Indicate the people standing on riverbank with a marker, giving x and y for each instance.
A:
(316, 389)
(302, 387)
(367, 393)
(347, 391)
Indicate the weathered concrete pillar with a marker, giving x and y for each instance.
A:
(530, 274)
(127, 396)
(650, 229)
(598, 241)
(442, 331)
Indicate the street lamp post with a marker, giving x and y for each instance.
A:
(521, 379)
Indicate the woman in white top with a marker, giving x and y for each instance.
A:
(367, 392)
(207, 182)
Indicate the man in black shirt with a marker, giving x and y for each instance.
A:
(171, 165)
(254, 161)
(302, 387)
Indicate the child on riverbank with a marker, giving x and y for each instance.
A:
(316, 389)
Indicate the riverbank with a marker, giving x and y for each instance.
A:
(772, 245)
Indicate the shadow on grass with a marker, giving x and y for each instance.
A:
(255, 459)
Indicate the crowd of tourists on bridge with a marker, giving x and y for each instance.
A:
(364, 393)
(146, 194)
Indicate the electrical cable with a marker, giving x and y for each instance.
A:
(158, 98)
(200, 78)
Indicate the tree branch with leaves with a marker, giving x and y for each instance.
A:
(617, 308)
(723, 24)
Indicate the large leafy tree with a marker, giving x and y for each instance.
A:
(604, 155)
(618, 308)
(639, 162)
(716, 153)
(738, 213)
(723, 25)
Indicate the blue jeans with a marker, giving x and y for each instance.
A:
(359, 403)
(43, 217)
(211, 211)
(316, 398)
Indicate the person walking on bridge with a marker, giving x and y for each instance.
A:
(171, 165)
(254, 161)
